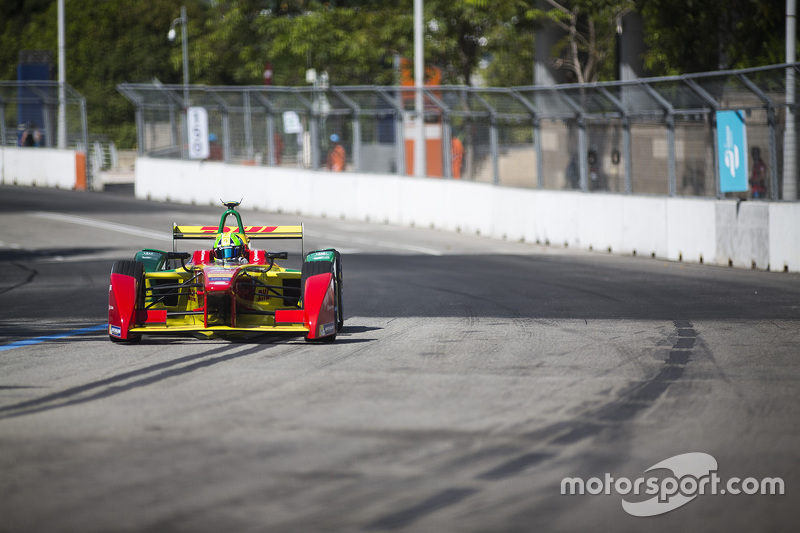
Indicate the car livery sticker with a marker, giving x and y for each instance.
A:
(115, 330)
(234, 229)
(327, 329)
(320, 256)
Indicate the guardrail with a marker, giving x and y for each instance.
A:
(760, 235)
(648, 136)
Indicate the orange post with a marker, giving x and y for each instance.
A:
(80, 171)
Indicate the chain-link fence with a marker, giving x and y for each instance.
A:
(29, 115)
(649, 136)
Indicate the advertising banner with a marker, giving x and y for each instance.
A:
(732, 150)
(197, 118)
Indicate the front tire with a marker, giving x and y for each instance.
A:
(312, 268)
(134, 269)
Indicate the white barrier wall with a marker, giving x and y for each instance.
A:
(40, 167)
(744, 234)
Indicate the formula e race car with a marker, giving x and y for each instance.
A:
(229, 290)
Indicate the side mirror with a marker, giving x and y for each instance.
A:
(183, 256)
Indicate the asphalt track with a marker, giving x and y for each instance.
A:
(472, 376)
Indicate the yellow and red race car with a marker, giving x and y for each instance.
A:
(229, 289)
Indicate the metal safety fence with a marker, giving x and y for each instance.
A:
(30, 113)
(648, 136)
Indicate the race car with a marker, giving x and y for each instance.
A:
(227, 290)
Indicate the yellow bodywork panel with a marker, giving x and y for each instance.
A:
(186, 299)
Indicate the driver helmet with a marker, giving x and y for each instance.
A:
(230, 246)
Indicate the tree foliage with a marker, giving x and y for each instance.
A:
(357, 41)
(704, 35)
(587, 50)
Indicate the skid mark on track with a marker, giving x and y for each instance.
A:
(126, 381)
(437, 502)
(32, 273)
(634, 400)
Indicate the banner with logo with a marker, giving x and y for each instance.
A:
(732, 150)
(197, 121)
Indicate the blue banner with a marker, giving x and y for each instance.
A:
(732, 150)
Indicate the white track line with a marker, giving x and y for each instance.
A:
(102, 224)
(371, 242)
(162, 236)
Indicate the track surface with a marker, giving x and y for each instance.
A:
(471, 377)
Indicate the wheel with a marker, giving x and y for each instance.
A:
(134, 269)
(334, 266)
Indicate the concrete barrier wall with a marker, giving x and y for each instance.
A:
(40, 167)
(743, 234)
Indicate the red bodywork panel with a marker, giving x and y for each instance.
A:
(121, 305)
(318, 304)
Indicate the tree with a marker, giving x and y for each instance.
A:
(704, 35)
(355, 42)
(588, 48)
(106, 43)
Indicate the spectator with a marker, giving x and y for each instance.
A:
(758, 176)
(457, 156)
(336, 156)
(278, 148)
(31, 136)
(214, 149)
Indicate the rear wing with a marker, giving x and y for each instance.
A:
(251, 232)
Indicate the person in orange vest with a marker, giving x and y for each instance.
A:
(457, 156)
(336, 156)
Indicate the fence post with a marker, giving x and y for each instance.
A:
(447, 145)
(271, 159)
(583, 154)
(313, 129)
(626, 146)
(140, 131)
(537, 143)
(248, 127)
(173, 128)
(773, 154)
(226, 136)
(671, 169)
(494, 145)
(184, 137)
(400, 142)
(356, 140)
(714, 150)
(48, 125)
(2, 123)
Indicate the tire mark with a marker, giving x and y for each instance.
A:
(32, 273)
(114, 385)
(632, 402)
(437, 502)
(638, 397)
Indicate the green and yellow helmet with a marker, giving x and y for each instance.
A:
(230, 245)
